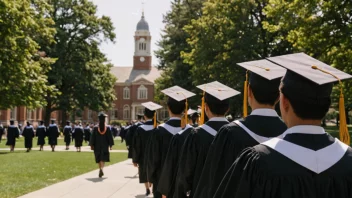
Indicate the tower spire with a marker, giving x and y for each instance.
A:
(142, 9)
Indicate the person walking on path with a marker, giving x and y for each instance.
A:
(100, 142)
(41, 134)
(13, 132)
(53, 134)
(28, 134)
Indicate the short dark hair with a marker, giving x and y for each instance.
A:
(308, 99)
(148, 113)
(195, 117)
(216, 106)
(264, 91)
(176, 107)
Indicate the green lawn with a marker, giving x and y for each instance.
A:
(20, 143)
(21, 173)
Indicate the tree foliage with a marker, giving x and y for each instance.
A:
(80, 73)
(22, 70)
(173, 42)
(320, 28)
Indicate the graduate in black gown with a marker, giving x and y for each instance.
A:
(100, 142)
(130, 133)
(2, 131)
(53, 134)
(168, 174)
(67, 134)
(87, 132)
(215, 104)
(13, 132)
(161, 138)
(261, 125)
(141, 140)
(41, 134)
(307, 162)
(28, 134)
(77, 134)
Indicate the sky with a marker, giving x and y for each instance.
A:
(125, 15)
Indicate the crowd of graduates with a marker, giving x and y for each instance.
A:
(261, 155)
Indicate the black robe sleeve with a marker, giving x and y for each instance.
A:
(187, 164)
(93, 138)
(137, 144)
(154, 156)
(110, 138)
(221, 155)
(241, 176)
(168, 173)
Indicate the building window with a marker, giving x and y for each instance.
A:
(29, 114)
(90, 114)
(142, 46)
(164, 114)
(114, 114)
(140, 111)
(126, 93)
(142, 93)
(13, 114)
(126, 112)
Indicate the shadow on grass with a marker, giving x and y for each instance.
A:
(3, 153)
(96, 180)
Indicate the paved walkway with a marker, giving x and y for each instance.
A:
(63, 148)
(120, 181)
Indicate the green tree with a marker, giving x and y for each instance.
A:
(81, 72)
(22, 68)
(320, 28)
(173, 42)
(230, 32)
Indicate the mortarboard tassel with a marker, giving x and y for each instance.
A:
(245, 97)
(202, 112)
(344, 135)
(155, 123)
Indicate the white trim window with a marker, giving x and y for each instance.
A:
(114, 114)
(164, 113)
(140, 110)
(126, 93)
(142, 93)
(126, 112)
(13, 114)
(90, 112)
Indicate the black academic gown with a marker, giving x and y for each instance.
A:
(87, 132)
(101, 144)
(157, 150)
(77, 134)
(13, 132)
(53, 134)
(41, 134)
(194, 153)
(168, 174)
(263, 172)
(28, 134)
(230, 141)
(140, 141)
(129, 137)
(67, 135)
(2, 130)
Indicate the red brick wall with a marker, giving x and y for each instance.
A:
(146, 65)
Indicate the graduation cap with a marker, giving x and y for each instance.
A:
(68, 122)
(152, 107)
(311, 80)
(265, 76)
(191, 112)
(102, 114)
(220, 92)
(179, 94)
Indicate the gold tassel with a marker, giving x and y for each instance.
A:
(185, 118)
(245, 97)
(155, 123)
(344, 134)
(202, 112)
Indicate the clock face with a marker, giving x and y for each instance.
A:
(142, 59)
(142, 40)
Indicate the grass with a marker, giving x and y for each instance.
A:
(21, 173)
(20, 143)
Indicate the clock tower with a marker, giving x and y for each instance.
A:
(142, 59)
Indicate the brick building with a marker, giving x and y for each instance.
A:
(134, 86)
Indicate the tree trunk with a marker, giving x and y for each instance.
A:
(48, 110)
(64, 117)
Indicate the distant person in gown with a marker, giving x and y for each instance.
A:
(2, 131)
(87, 132)
(13, 132)
(100, 142)
(28, 134)
(53, 134)
(41, 134)
(67, 134)
(77, 134)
